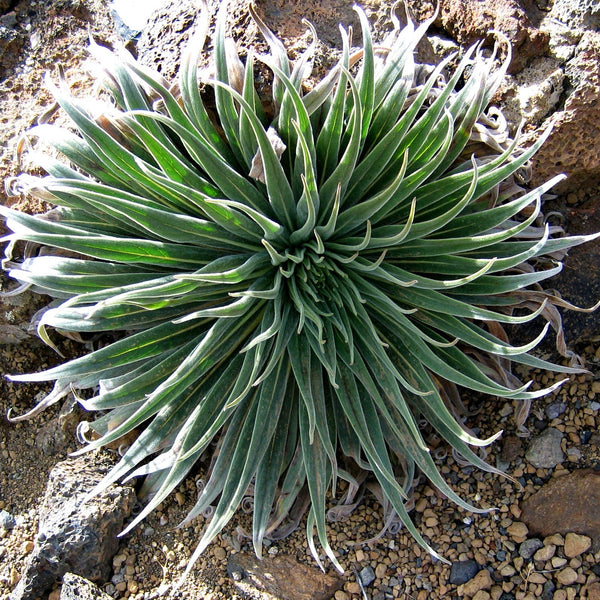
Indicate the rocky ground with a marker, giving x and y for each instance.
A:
(542, 539)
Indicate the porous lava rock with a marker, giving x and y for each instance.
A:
(573, 146)
(469, 22)
(75, 587)
(75, 536)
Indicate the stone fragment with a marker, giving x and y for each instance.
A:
(482, 581)
(529, 547)
(563, 505)
(548, 590)
(462, 571)
(544, 450)
(545, 553)
(73, 536)
(556, 539)
(468, 22)
(512, 449)
(507, 571)
(283, 577)
(517, 531)
(593, 591)
(555, 409)
(75, 587)
(576, 544)
(7, 521)
(535, 577)
(367, 576)
(567, 576)
(481, 595)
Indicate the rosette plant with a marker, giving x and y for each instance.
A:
(293, 282)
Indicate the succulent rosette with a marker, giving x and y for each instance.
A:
(295, 280)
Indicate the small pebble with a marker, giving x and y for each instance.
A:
(7, 521)
(507, 571)
(119, 560)
(352, 587)
(517, 531)
(545, 449)
(535, 577)
(576, 544)
(557, 539)
(380, 571)
(529, 547)
(545, 553)
(567, 576)
(548, 590)
(555, 409)
(367, 576)
(463, 571)
(482, 581)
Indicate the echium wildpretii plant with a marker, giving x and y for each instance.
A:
(300, 283)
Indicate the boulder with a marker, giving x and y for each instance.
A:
(75, 536)
(563, 505)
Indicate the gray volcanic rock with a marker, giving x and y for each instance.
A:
(75, 537)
